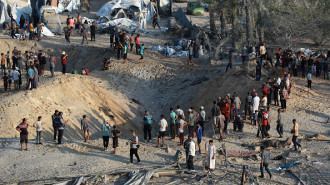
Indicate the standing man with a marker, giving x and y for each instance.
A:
(3, 64)
(84, 34)
(64, 58)
(31, 29)
(179, 112)
(182, 123)
(237, 102)
(202, 118)
(52, 63)
(221, 125)
(264, 124)
(106, 134)
(137, 43)
(215, 113)
(78, 21)
(191, 123)
(23, 132)
(54, 116)
(309, 80)
(134, 143)
(85, 128)
(255, 103)
(231, 60)
(226, 111)
(162, 130)
(173, 118)
(141, 53)
(93, 31)
(199, 134)
(155, 21)
(115, 135)
(42, 64)
(248, 105)
(147, 126)
(295, 132)
(264, 162)
(280, 121)
(191, 154)
(16, 75)
(211, 151)
(125, 53)
(38, 126)
(60, 126)
(190, 54)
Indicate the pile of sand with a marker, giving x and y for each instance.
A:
(73, 95)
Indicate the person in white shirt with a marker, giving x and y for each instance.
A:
(182, 124)
(202, 118)
(309, 80)
(179, 112)
(278, 81)
(38, 126)
(211, 151)
(15, 75)
(191, 154)
(255, 102)
(162, 129)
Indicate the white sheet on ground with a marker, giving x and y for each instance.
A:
(47, 32)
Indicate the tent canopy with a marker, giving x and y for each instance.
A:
(113, 6)
(68, 5)
(15, 10)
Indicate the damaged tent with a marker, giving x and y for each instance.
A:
(17, 12)
(68, 5)
(131, 8)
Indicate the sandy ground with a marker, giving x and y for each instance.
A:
(124, 93)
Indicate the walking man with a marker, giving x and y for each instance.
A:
(155, 21)
(134, 143)
(202, 117)
(52, 63)
(162, 130)
(264, 162)
(23, 130)
(85, 128)
(173, 118)
(199, 134)
(147, 126)
(38, 126)
(280, 121)
(295, 132)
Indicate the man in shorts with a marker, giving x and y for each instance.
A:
(22, 129)
(85, 128)
(115, 134)
(162, 129)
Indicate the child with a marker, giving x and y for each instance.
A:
(38, 126)
(141, 53)
(10, 79)
(115, 133)
(8, 59)
(5, 82)
(167, 52)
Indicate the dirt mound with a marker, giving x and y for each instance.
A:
(73, 95)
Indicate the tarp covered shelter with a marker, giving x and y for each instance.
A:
(4, 17)
(68, 5)
(111, 8)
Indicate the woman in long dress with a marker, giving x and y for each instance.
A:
(36, 76)
(211, 151)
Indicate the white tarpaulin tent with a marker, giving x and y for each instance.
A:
(3, 12)
(67, 5)
(17, 12)
(143, 5)
(164, 3)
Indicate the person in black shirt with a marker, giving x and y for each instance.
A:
(155, 20)
(93, 31)
(22, 129)
(115, 133)
(5, 82)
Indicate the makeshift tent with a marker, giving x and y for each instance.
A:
(4, 17)
(68, 5)
(110, 9)
(17, 12)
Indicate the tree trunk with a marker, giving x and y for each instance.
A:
(248, 23)
(233, 27)
(212, 20)
(223, 13)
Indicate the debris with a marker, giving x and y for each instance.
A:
(287, 167)
(240, 153)
(139, 177)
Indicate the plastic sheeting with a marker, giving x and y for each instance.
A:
(123, 22)
(65, 5)
(4, 17)
(16, 11)
(142, 5)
